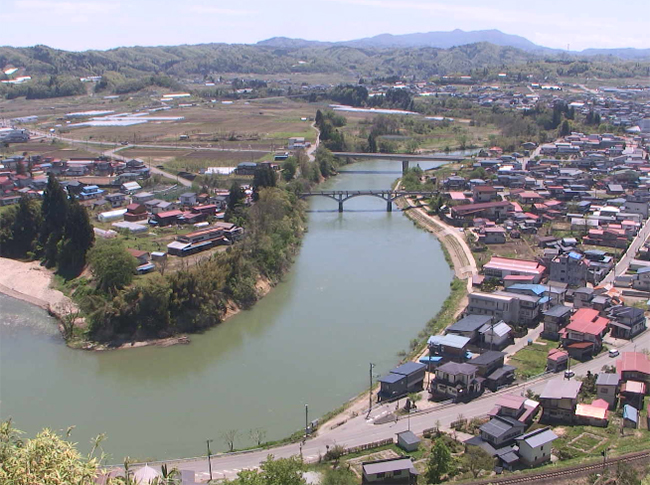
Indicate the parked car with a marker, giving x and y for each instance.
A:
(613, 352)
(569, 374)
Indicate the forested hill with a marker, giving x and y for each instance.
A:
(186, 61)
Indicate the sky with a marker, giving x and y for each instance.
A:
(103, 24)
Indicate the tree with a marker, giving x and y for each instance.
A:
(264, 176)
(111, 265)
(289, 168)
(229, 438)
(476, 459)
(283, 471)
(439, 462)
(78, 238)
(258, 435)
(46, 458)
(339, 476)
(19, 227)
(54, 210)
(235, 201)
(565, 129)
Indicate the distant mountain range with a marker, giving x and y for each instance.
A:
(454, 38)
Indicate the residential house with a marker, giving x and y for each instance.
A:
(499, 268)
(569, 268)
(402, 380)
(167, 217)
(116, 200)
(457, 381)
(633, 393)
(494, 211)
(492, 235)
(559, 399)
(500, 307)
(501, 431)
(90, 192)
(634, 366)
(484, 193)
(142, 197)
(188, 199)
(592, 415)
(535, 446)
(555, 319)
(516, 407)
(491, 367)
(607, 388)
(197, 241)
(528, 307)
(496, 336)
(130, 187)
(626, 322)
(557, 360)
(390, 471)
(641, 280)
(583, 336)
(582, 297)
(135, 213)
(469, 326)
(449, 347)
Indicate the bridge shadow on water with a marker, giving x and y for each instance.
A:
(349, 210)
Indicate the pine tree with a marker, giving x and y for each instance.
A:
(55, 212)
(26, 227)
(78, 238)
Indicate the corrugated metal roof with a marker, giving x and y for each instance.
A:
(539, 437)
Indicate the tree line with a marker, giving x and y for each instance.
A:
(58, 230)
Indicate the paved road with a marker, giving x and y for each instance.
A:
(624, 263)
(360, 430)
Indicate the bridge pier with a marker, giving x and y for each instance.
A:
(389, 206)
(405, 166)
(340, 206)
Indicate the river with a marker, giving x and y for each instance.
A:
(364, 284)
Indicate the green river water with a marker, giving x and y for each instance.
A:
(363, 285)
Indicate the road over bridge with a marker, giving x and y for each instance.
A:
(389, 196)
(405, 158)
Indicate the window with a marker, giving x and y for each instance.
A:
(381, 475)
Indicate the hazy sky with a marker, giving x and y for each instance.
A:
(103, 24)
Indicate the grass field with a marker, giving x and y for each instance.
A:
(531, 360)
(194, 160)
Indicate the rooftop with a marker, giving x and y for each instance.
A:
(633, 362)
(470, 323)
(510, 264)
(539, 437)
(384, 466)
(561, 389)
(588, 320)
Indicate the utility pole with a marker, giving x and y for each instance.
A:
(370, 389)
(207, 442)
(306, 420)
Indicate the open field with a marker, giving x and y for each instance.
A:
(193, 160)
(48, 149)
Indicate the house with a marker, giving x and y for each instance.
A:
(484, 193)
(516, 407)
(408, 441)
(501, 430)
(90, 192)
(582, 297)
(492, 235)
(555, 319)
(457, 381)
(557, 360)
(402, 380)
(633, 393)
(496, 336)
(607, 388)
(391, 471)
(188, 199)
(130, 187)
(626, 322)
(570, 268)
(634, 366)
(501, 267)
(494, 211)
(590, 415)
(116, 200)
(167, 217)
(141, 256)
(641, 280)
(135, 213)
(142, 197)
(500, 307)
(469, 326)
(630, 417)
(195, 242)
(583, 336)
(449, 347)
(491, 367)
(535, 447)
(559, 399)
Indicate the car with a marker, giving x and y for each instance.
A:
(569, 374)
(614, 352)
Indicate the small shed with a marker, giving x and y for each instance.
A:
(408, 441)
(630, 417)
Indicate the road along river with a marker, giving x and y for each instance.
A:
(364, 284)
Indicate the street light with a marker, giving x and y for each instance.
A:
(306, 420)
(207, 442)
(370, 389)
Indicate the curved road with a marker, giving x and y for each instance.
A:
(359, 430)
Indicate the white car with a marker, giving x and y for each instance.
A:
(613, 352)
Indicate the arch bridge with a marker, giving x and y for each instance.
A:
(389, 196)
